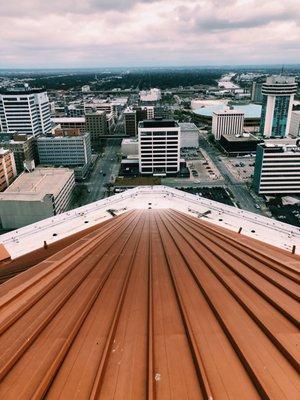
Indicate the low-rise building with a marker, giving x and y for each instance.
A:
(8, 170)
(130, 146)
(36, 195)
(189, 135)
(85, 88)
(277, 167)
(150, 95)
(239, 145)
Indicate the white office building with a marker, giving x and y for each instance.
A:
(25, 111)
(277, 167)
(295, 124)
(278, 96)
(159, 147)
(36, 195)
(227, 122)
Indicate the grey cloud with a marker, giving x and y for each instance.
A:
(37, 7)
(89, 33)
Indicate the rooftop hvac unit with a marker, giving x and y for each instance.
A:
(29, 165)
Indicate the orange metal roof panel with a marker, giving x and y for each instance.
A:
(4, 254)
(153, 304)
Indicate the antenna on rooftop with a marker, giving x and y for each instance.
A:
(282, 69)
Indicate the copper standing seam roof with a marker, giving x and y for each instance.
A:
(153, 304)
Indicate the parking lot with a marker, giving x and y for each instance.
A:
(242, 168)
(200, 165)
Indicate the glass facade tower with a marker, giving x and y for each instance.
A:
(278, 95)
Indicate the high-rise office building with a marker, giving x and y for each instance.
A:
(256, 92)
(7, 168)
(277, 168)
(227, 122)
(68, 148)
(159, 147)
(130, 121)
(295, 124)
(278, 95)
(25, 111)
(96, 123)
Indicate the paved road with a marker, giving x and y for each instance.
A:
(108, 164)
(106, 168)
(239, 190)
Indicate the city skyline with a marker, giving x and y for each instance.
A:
(89, 33)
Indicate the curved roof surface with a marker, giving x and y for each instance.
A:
(250, 110)
(153, 304)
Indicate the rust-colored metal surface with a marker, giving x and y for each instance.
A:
(153, 304)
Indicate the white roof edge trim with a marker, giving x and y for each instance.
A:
(32, 237)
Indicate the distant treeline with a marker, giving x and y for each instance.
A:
(134, 80)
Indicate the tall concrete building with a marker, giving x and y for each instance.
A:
(256, 92)
(97, 125)
(130, 122)
(277, 167)
(278, 95)
(68, 148)
(23, 148)
(159, 147)
(227, 122)
(36, 195)
(7, 168)
(25, 111)
(133, 115)
(295, 124)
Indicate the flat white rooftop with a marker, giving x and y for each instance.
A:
(33, 186)
(32, 237)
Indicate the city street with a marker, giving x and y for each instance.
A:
(107, 164)
(238, 189)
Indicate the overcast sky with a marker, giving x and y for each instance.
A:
(99, 33)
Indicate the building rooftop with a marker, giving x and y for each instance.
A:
(248, 138)
(61, 120)
(250, 110)
(289, 146)
(20, 91)
(3, 151)
(229, 111)
(37, 184)
(158, 123)
(61, 226)
(153, 304)
(279, 79)
(188, 127)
